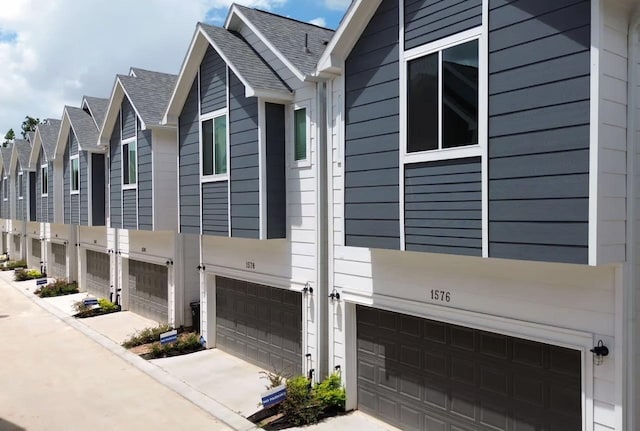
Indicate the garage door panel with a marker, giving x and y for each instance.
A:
(466, 380)
(98, 274)
(148, 290)
(36, 251)
(260, 325)
(57, 266)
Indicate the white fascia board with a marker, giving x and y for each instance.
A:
(143, 126)
(35, 149)
(109, 119)
(342, 42)
(86, 103)
(63, 134)
(185, 79)
(234, 11)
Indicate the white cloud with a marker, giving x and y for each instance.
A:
(319, 21)
(65, 49)
(337, 4)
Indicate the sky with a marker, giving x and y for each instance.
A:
(53, 52)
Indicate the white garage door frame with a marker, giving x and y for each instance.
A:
(547, 334)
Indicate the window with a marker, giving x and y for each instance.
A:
(20, 184)
(44, 180)
(442, 98)
(130, 162)
(214, 146)
(75, 174)
(300, 134)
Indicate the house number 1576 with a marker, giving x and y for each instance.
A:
(440, 295)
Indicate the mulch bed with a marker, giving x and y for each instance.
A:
(94, 312)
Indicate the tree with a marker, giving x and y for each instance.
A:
(29, 125)
(9, 137)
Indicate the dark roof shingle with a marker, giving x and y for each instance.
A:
(49, 135)
(6, 157)
(84, 127)
(149, 92)
(98, 108)
(23, 148)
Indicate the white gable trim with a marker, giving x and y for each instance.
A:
(86, 103)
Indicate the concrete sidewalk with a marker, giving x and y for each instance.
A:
(222, 385)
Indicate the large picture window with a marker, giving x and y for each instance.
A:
(75, 174)
(442, 98)
(214, 146)
(129, 162)
(44, 180)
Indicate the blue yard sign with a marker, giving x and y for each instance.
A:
(90, 301)
(274, 396)
(169, 337)
(41, 282)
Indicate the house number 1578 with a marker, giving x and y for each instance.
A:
(440, 295)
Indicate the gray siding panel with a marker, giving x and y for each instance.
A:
(215, 208)
(51, 197)
(244, 175)
(84, 188)
(115, 178)
(189, 163)
(213, 82)
(426, 21)
(372, 134)
(98, 202)
(437, 193)
(128, 120)
(129, 213)
(75, 205)
(145, 179)
(276, 171)
(67, 185)
(73, 143)
(539, 129)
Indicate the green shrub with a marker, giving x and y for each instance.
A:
(107, 305)
(13, 264)
(186, 343)
(26, 274)
(146, 336)
(58, 287)
(305, 404)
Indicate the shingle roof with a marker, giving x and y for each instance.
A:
(98, 107)
(84, 127)
(49, 135)
(6, 156)
(23, 148)
(288, 36)
(30, 136)
(149, 93)
(249, 64)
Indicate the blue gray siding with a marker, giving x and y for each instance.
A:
(84, 188)
(276, 171)
(213, 82)
(426, 21)
(50, 200)
(189, 163)
(98, 200)
(372, 210)
(145, 180)
(443, 207)
(539, 129)
(66, 176)
(115, 178)
(75, 209)
(244, 162)
(128, 120)
(129, 214)
(215, 208)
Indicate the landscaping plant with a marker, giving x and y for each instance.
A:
(147, 335)
(306, 404)
(26, 274)
(104, 307)
(186, 343)
(107, 306)
(13, 264)
(58, 287)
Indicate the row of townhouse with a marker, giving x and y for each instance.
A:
(439, 201)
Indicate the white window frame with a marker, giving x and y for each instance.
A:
(20, 185)
(432, 48)
(71, 190)
(213, 177)
(44, 167)
(306, 162)
(127, 142)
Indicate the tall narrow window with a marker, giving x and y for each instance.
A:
(44, 180)
(129, 162)
(5, 189)
(442, 99)
(214, 146)
(75, 174)
(300, 134)
(20, 185)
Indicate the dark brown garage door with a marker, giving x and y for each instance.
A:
(148, 290)
(57, 265)
(419, 374)
(98, 274)
(260, 324)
